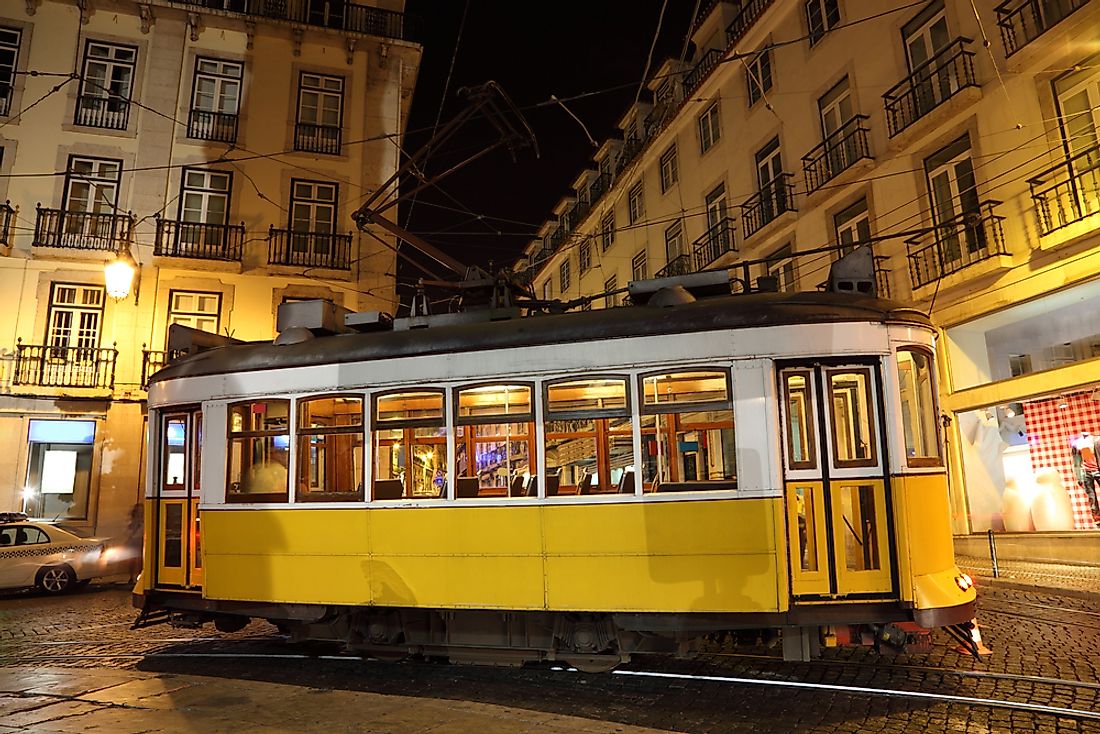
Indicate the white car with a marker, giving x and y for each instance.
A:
(39, 554)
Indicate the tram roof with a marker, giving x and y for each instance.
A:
(745, 311)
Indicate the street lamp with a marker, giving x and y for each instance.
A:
(119, 273)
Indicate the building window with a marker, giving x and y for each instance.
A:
(635, 203)
(821, 17)
(953, 193)
(759, 75)
(106, 85)
(674, 241)
(780, 265)
(852, 226)
(547, 286)
(609, 285)
(204, 197)
(259, 445)
(59, 469)
(607, 231)
(312, 238)
(215, 100)
(563, 276)
(584, 255)
(9, 60)
(73, 322)
(320, 112)
(91, 187)
(330, 449)
(670, 173)
(195, 310)
(494, 441)
(639, 270)
(709, 130)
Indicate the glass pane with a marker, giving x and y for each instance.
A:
(684, 388)
(494, 400)
(918, 405)
(175, 453)
(860, 531)
(852, 423)
(267, 416)
(257, 465)
(800, 427)
(330, 463)
(805, 498)
(173, 536)
(330, 412)
(587, 395)
(689, 451)
(407, 406)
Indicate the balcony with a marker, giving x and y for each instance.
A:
(111, 113)
(930, 85)
(701, 70)
(221, 127)
(773, 199)
(81, 230)
(7, 216)
(317, 138)
(950, 246)
(836, 154)
(198, 240)
(744, 19)
(715, 242)
(62, 366)
(309, 249)
(333, 14)
(1023, 22)
(630, 150)
(1068, 192)
(679, 265)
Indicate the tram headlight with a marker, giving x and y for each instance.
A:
(964, 581)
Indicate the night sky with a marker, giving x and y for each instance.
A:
(533, 51)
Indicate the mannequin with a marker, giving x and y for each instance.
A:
(1086, 454)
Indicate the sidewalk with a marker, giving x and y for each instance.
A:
(50, 701)
(1070, 579)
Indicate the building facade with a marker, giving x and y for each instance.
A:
(223, 144)
(958, 140)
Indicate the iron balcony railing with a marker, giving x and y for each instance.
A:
(47, 365)
(836, 153)
(220, 127)
(7, 215)
(599, 186)
(744, 19)
(930, 85)
(309, 249)
(1023, 22)
(679, 265)
(198, 240)
(152, 360)
(630, 150)
(317, 138)
(111, 113)
(773, 199)
(882, 277)
(333, 14)
(715, 242)
(1068, 192)
(702, 68)
(950, 246)
(81, 230)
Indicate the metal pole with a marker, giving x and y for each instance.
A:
(993, 553)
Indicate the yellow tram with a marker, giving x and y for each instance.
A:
(578, 486)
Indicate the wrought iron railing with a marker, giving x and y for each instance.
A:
(217, 126)
(7, 215)
(769, 202)
(1023, 22)
(317, 138)
(333, 14)
(930, 85)
(1068, 192)
(836, 153)
(152, 360)
(702, 68)
(679, 265)
(950, 246)
(744, 19)
(715, 242)
(198, 240)
(309, 249)
(630, 150)
(111, 113)
(64, 366)
(81, 230)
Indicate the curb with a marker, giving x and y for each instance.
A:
(1038, 587)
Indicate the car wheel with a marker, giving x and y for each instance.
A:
(56, 579)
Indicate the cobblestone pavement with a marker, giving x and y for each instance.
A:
(1046, 653)
(1075, 579)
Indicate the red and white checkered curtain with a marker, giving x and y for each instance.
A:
(1049, 432)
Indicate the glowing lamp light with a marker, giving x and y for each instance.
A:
(119, 274)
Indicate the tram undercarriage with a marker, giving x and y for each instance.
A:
(591, 642)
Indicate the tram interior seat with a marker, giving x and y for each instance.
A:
(552, 482)
(532, 486)
(626, 482)
(388, 489)
(584, 486)
(467, 487)
(515, 489)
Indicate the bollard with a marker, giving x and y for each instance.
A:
(993, 553)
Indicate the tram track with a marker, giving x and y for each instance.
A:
(1003, 608)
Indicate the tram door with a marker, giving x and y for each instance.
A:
(179, 556)
(838, 517)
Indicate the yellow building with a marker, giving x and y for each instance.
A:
(959, 140)
(224, 145)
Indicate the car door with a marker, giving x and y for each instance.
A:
(10, 567)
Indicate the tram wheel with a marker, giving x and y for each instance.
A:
(593, 663)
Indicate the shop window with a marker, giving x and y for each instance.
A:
(59, 469)
(330, 449)
(687, 432)
(259, 445)
(494, 441)
(410, 445)
(589, 437)
(918, 407)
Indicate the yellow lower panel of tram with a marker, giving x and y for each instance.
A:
(657, 556)
(861, 536)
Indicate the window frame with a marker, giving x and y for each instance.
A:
(299, 432)
(564, 276)
(207, 193)
(584, 256)
(635, 203)
(872, 462)
(669, 168)
(607, 230)
(816, 34)
(220, 79)
(406, 425)
(758, 76)
(709, 126)
(922, 462)
(173, 311)
(641, 258)
(470, 440)
(90, 90)
(321, 92)
(8, 71)
(230, 435)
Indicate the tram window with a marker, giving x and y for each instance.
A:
(175, 452)
(494, 440)
(589, 438)
(687, 432)
(410, 445)
(330, 449)
(918, 407)
(852, 423)
(800, 420)
(259, 444)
